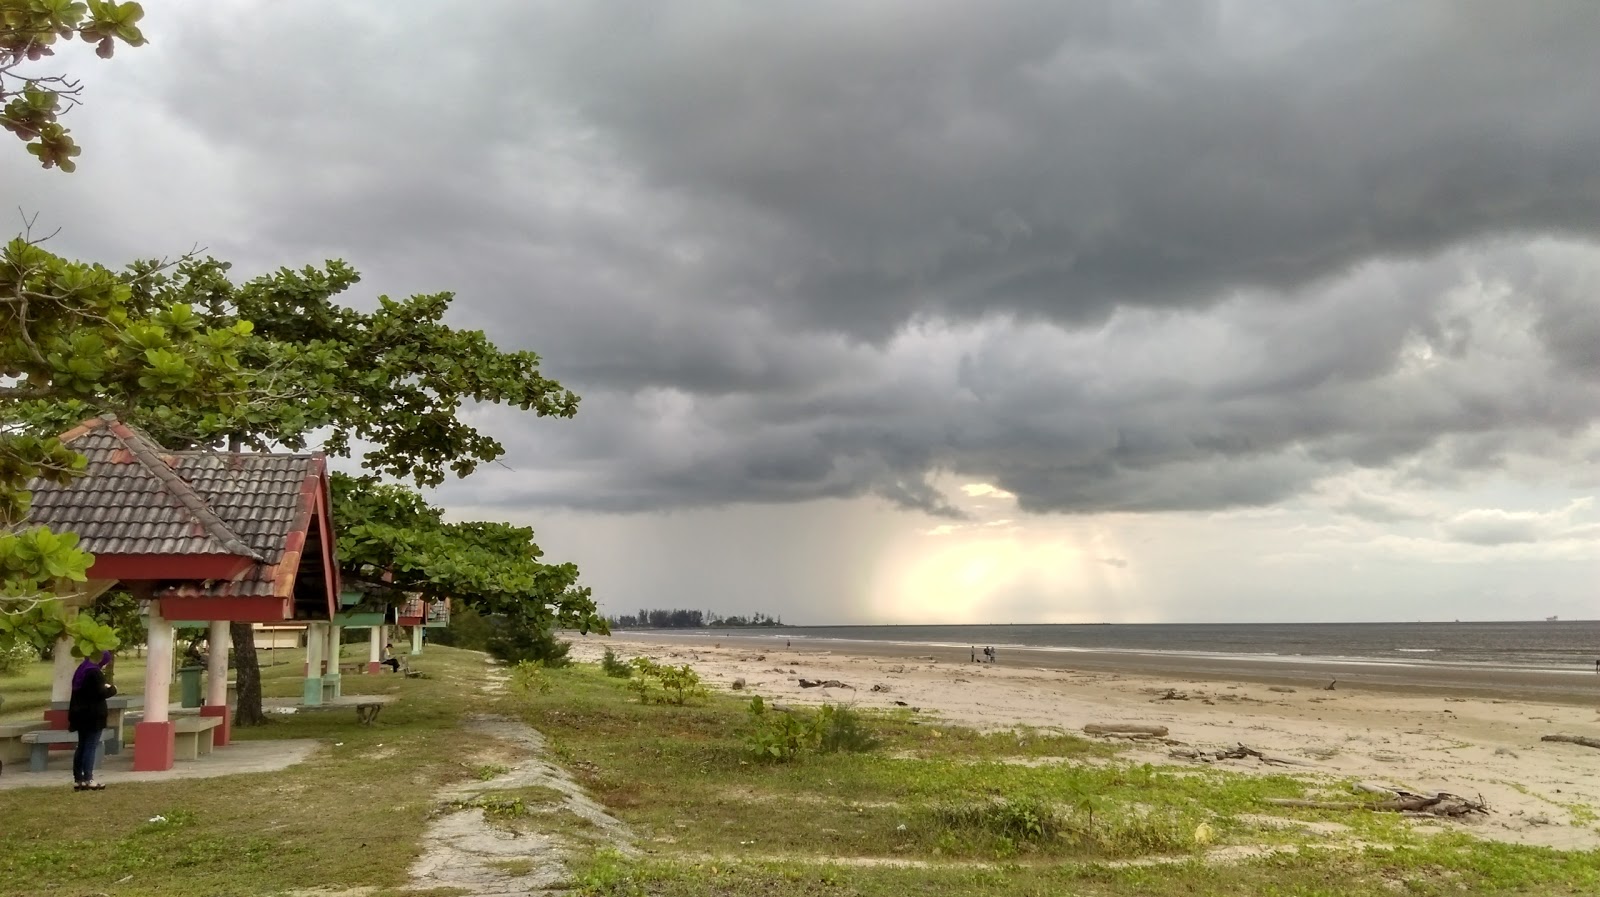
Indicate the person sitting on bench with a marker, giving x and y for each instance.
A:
(389, 659)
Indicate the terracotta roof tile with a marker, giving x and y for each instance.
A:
(137, 499)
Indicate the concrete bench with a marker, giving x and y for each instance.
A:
(11, 747)
(194, 735)
(41, 740)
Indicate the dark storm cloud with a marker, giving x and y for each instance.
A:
(1058, 159)
(1124, 256)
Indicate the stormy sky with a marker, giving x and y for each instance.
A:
(931, 311)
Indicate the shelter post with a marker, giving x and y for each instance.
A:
(331, 680)
(154, 744)
(316, 643)
(416, 640)
(217, 681)
(374, 650)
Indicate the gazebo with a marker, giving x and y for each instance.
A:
(204, 536)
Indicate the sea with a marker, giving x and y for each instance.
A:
(1565, 646)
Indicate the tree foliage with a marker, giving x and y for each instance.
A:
(394, 380)
(72, 334)
(31, 105)
(392, 543)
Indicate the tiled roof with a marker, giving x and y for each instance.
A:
(268, 500)
(130, 501)
(136, 499)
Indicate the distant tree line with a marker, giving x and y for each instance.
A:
(688, 619)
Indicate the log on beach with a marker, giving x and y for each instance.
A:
(1441, 804)
(1574, 739)
(1125, 729)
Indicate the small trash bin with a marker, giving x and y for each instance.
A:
(189, 685)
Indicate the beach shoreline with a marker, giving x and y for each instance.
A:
(1577, 686)
(1415, 733)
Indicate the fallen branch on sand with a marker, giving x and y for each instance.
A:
(1574, 739)
(824, 683)
(1173, 695)
(1239, 752)
(1125, 729)
(1441, 804)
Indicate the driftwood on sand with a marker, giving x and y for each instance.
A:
(1238, 752)
(824, 683)
(1396, 801)
(1574, 739)
(1125, 729)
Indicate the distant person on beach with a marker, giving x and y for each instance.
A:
(974, 650)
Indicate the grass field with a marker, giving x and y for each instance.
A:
(926, 809)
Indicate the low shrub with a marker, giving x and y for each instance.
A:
(781, 735)
(615, 667)
(1015, 819)
(528, 677)
(659, 683)
(844, 730)
(515, 641)
(16, 658)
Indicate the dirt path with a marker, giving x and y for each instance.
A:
(464, 848)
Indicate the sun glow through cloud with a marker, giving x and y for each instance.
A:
(991, 568)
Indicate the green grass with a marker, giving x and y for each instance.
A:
(933, 810)
(351, 816)
(938, 809)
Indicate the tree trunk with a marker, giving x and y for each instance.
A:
(248, 711)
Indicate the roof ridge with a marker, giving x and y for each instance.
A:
(144, 451)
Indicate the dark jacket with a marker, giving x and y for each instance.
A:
(86, 712)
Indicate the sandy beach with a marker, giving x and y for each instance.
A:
(1465, 738)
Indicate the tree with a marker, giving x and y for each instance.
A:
(394, 379)
(72, 334)
(393, 544)
(33, 104)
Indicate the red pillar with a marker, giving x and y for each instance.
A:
(154, 747)
(220, 733)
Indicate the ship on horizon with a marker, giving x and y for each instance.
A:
(1552, 619)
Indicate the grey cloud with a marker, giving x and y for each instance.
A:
(1059, 159)
(1490, 527)
(1117, 256)
(1380, 509)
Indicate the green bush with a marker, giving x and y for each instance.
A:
(780, 736)
(528, 678)
(658, 683)
(520, 640)
(844, 730)
(16, 658)
(1017, 819)
(468, 629)
(615, 668)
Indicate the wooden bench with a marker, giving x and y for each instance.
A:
(39, 742)
(194, 735)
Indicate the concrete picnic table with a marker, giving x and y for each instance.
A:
(366, 706)
(117, 709)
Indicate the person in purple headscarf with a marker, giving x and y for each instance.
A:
(86, 715)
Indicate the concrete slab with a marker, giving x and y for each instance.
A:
(237, 758)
